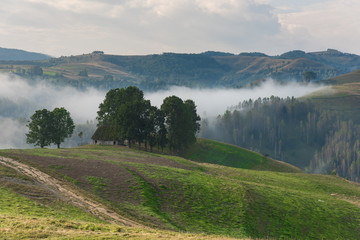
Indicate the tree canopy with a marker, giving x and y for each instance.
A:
(48, 127)
(181, 120)
(39, 128)
(134, 119)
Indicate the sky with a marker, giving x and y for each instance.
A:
(137, 27)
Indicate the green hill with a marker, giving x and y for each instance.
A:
(208, 151)
(169, 192)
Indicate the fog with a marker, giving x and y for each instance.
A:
(82, 105)
(212, 102)
(12, 134)
(19, 99)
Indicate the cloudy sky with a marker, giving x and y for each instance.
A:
(71, 27)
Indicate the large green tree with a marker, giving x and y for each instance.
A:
(48, 127)
(126, 110)
(40, 128)
(181, 121)
(62, 125)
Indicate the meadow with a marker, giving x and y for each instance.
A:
(169, 195)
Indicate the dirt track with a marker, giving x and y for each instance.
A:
(76, 199)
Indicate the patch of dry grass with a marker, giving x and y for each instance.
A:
(18, 227)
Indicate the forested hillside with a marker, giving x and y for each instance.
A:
(208, 69)
(294, 131)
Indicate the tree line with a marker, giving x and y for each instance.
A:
(134, 119)
(131, 117)
(291, 130)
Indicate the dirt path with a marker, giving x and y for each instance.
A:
(76, 199)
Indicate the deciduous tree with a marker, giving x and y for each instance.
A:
(48, 127)
(62, 125)
(40, 128)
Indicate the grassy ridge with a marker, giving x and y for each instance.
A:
(173, 193)
(209, 151)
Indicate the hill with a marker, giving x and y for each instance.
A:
(208, 69)
(317, 133)
(208, 151)
(7, 54)
(342, 96)
(168, 192)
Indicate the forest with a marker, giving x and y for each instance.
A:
(291, 130)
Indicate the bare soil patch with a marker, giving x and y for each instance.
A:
(73, 197)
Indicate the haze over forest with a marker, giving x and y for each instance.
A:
(19, 100)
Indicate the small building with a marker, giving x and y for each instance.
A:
(106, 135)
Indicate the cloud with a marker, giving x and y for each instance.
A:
(315, 25)
(64, 27)
(70, 27)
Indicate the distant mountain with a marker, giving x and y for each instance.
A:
(334, 58)
(7, 54)
(352, 77)
(208, 69)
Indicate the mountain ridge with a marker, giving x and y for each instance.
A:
(10, 54)
(208, 69)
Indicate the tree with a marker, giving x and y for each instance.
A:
(62, 125)
(155, 128)
(193, 125)
(36, 71)
(40, 128)
(127, 111)
(161, 132)
(48, 127)
(308, 76)
(181, 120)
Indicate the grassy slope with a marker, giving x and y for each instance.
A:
(214, 152)
(174, 193)
(29, 211)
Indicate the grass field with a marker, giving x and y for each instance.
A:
(172, 193)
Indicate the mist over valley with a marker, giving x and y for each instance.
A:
(20, 98)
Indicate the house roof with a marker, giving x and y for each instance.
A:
(105, 133)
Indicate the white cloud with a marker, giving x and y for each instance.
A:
(70, 27)
(320, 26)
(64, 27)
(78, 6)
